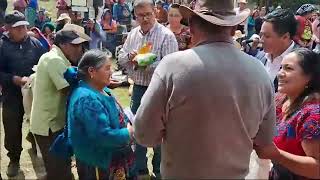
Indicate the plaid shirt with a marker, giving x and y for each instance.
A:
(163, 43)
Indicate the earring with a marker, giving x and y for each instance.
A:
(91, 77)
(306, 87)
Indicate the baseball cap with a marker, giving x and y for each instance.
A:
(63, 16)
(73, 34)
(16, 19)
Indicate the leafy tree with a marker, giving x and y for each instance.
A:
(292, 4)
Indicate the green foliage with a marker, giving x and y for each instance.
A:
(292, 4)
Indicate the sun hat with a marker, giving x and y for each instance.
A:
(217, 12)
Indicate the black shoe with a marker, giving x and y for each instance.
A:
(13, 169)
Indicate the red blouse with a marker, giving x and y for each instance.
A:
(302, 125)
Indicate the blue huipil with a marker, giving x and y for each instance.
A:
(94, 127)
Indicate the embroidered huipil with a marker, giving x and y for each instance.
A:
(304, 124)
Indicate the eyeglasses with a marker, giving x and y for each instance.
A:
(146, 15)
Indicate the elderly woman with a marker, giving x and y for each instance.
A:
(181, 32)
(297, 141)
(99, 130)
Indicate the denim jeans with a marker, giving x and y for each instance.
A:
(140, 167)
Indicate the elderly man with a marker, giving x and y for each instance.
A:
(207, 130)
(50, 96)
(18, 54)
(163, 42)
(242, 7)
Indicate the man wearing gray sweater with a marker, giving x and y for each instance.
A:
(208, 105)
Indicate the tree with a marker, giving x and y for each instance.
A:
(292, 4)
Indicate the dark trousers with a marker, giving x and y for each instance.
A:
(140, 166)
(56, 167)
(87, 172)
(12, 118)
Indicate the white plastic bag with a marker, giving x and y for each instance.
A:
(258, 168)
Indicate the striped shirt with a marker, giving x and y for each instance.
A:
(163, 43)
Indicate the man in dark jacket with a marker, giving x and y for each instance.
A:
(3, 7)
(18, 54)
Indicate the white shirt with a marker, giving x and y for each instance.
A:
(244, 23)
(273, 67)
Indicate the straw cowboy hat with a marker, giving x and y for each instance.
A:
(238, 35)
(217, 12)
(242, 1)
(63, 16)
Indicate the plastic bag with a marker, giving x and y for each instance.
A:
(145, 57)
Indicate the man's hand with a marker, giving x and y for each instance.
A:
(132, 59)
(20, 81)
(267, 152)
(255, 43)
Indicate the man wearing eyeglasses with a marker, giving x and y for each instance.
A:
(163, 42)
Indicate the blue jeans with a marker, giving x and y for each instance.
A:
(140, 167)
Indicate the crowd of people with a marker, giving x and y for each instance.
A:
(214, 88)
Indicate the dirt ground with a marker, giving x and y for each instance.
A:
(31, 165)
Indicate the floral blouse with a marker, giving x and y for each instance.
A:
(304, 124)
(183, 38)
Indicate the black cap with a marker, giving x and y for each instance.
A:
(16, 19)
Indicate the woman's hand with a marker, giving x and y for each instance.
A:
(131, 130)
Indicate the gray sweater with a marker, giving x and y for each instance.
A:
(207, 106)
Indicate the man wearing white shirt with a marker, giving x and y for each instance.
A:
(163, 42)
(277, 32)
(273, 65)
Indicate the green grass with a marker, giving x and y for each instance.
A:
(122, 95)
(49, 5)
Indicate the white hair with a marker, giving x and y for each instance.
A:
(139, 3)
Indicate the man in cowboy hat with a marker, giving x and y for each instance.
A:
(50, 93)
(242, 6)
(208, 105)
